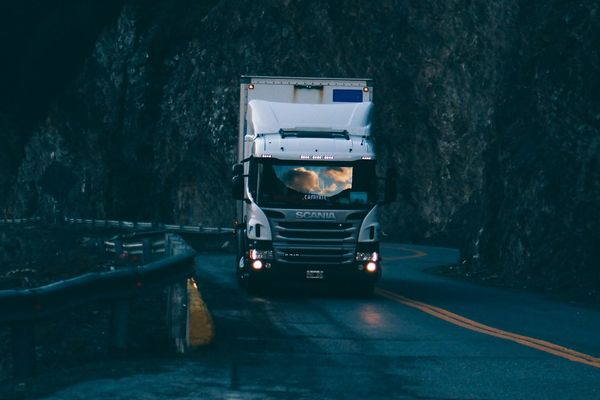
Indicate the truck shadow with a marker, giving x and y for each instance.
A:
(331, 290)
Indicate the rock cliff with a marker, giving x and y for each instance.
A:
(488, 110)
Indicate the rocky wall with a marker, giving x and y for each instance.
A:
(486, 109)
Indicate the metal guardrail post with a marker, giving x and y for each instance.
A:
(119, 325)
(118, 247)
(177, 309)
(146, 251)
(23, 348)
(119, 318)
(177, 303)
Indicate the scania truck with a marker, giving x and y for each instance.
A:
(306, 183)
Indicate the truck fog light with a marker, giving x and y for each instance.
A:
(257, 264)
(371, 267)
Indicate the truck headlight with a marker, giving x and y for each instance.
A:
(260, 254)
(367, 256)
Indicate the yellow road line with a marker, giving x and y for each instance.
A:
(201, 329)
(459, 320)
(416, 254)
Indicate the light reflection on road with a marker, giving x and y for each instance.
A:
(370, 315)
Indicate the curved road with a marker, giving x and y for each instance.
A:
(421, 337)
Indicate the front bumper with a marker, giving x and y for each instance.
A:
(354, 272)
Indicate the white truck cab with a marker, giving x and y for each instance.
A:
(307, 183)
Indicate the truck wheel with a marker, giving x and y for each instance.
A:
(239, 271)
(255, 286)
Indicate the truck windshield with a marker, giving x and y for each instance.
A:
(288, 184)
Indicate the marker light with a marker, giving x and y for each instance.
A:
(257, 264)
(253, 254)
(365, 89)
(251, 86)
(371, 266)
(315, 157)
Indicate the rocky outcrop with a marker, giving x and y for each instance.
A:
(541, 197)
(485, 108)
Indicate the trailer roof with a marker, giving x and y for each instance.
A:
(254, 78)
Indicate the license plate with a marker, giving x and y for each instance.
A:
(314, 274)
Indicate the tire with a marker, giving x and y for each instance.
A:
(239, 272)
(255, 286)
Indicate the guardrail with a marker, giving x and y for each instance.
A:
(19, 221)
(130, 225)
(140, 246)
(23, 307)
(104, 223)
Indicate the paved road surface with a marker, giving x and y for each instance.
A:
(421, 337)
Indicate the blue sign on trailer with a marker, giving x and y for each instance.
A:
(348, 95)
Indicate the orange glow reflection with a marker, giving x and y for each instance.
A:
(371, 316)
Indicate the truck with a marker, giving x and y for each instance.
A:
(306, 184)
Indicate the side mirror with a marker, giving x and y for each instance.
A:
(391, 188)
(237, 187)
(237, 182)
(237, 169)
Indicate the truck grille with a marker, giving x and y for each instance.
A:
(314, 243)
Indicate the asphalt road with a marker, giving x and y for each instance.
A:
(421, 337)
